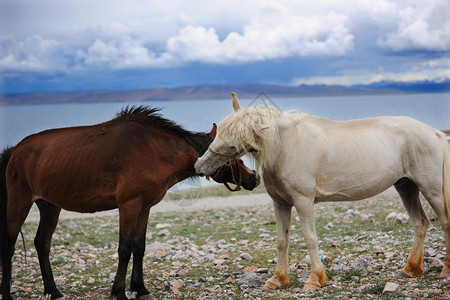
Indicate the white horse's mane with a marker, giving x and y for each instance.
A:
(257, 127)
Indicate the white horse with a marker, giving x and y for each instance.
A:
(306, 159)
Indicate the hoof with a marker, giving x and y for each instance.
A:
(310, 287)
(147, 297)
(272, 285)
(403, 274)
(445, 272)
(59, 296)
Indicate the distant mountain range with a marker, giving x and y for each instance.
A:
(222, 91)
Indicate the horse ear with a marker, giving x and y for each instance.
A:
(235, 101)
(261, 127)
(213, 132)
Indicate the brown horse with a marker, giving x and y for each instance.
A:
(127, 163)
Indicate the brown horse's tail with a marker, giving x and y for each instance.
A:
(4, 244)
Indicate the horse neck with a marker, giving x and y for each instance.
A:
(196, 145)
(269, 142)
(199, 142)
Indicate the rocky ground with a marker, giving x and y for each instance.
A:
(226, 249)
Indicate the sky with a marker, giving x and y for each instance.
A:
(73, 45)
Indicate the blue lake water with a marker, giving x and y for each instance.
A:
(16, 122)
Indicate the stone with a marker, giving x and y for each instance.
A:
(378, 250)
(245, 255)
(304, 275)
(402, 218)
(250, 279)
(159, 249)
(436, 265)
(164, 232)
(176, 285)
(163, 226)
(308, 259)
(220, 261)
(60, 281)
(391, 288)
(246, 230)
(429, 253)
(250, 269)
(262, 270)
(359, 265)
(391, 216)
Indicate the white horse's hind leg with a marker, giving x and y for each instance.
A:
(436, 199)
(305, 210)
(409, 192)
(283, 218)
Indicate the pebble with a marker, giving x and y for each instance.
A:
(399, 218)
(206, 267)
(176, 285)
(163, 226)
(429, 253)
(164, 232)
(359, 265)
(246, 230)
(378, 250)
(391, 288)
(436, 265)
(250, 269)
(250, 279)
(61, 281)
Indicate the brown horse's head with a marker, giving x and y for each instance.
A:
(235, 172)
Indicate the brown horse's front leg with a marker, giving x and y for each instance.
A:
(128, 215)
(47, 224)
(137, 280)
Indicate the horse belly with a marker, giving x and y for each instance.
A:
(74, 190)
(352, 192)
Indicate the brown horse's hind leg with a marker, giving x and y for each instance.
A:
(49, 220)
(409, 192)
(137, 280)
(19, 204)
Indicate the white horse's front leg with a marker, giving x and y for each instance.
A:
(283, 218)
(305, 210)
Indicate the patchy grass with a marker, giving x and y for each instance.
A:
(210, 191)
(204, 251)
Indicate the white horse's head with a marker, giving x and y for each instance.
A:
(238, 134)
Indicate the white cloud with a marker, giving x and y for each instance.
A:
(34, 53)
(433, 70)
(271, 36)
(420, 25)
(136, 34)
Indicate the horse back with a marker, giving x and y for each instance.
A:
(90, 168)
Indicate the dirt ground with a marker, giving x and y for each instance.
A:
(186, 205)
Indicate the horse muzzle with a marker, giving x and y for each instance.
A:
(253, 181)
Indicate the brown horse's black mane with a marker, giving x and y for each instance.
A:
(146, 115)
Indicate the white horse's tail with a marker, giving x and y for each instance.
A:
(445, 172)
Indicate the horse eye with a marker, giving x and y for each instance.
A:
(233, 147)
